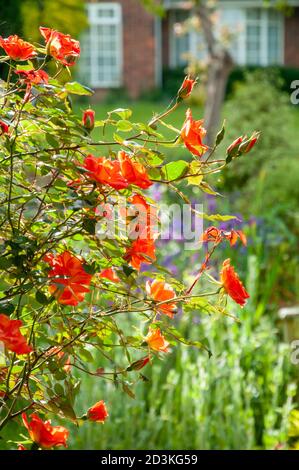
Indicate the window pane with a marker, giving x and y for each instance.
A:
(254, 14)
(181, 38)
(102, 47)
(273, 44)
(253, 44)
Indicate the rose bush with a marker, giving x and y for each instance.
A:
(66, 289)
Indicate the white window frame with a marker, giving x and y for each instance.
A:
(242, 59)
(95, 20)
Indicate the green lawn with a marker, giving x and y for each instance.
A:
(142, 112)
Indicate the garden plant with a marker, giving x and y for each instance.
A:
(78, 233)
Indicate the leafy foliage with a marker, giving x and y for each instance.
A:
(70, 295)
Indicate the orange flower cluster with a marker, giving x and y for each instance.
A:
(61, 46)
(118, 174)
(160, 291)
(69, 280)
(17, 49)
(11, 336)
(215, 235)
(43, 434)
(192, 134)
(232, 284)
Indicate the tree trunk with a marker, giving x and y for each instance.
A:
(218, 73)
(220, 64)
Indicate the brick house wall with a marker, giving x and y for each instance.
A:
(291, 48)
(139, 48)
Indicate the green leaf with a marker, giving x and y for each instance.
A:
(174, 170)
(6, 307)
(41, 298)
(220, 135)
(206, 188)
(90, 225)
(6, 262)
(118, 138)
(155, 158)
(218, 217)
(52, 141)
(128, 391)
(173, 332)
(76, 88)
(195, 169)
(124, 126)
(128, 270)
(86, 355)
(59, 390)
(123, 113)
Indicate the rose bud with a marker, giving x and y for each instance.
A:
(186, 88)
(4, 128)
(88, 119)
(137, 365)
(234, 147)
(246, 146)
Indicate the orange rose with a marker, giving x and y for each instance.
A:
(141, 251)
(156, 340)
(69, 280)
(33, 76)
(232, 284)
(109, 274)
(192, 134)
(160, 291)
(212, 234)
(16, 48)
(61, 46)
(215, 235)
(145, 218)
(105, 171)
(133, 172)
(98, 412)
(233, 236)
(12, 337)
(43, 434)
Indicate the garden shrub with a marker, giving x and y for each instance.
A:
(80, 286)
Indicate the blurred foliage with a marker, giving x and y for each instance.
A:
(286, 76)
(11, 18)
(173, 77)
(240, 398)
(68, 16)
(273, 170)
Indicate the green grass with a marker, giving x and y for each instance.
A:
(142, 112)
